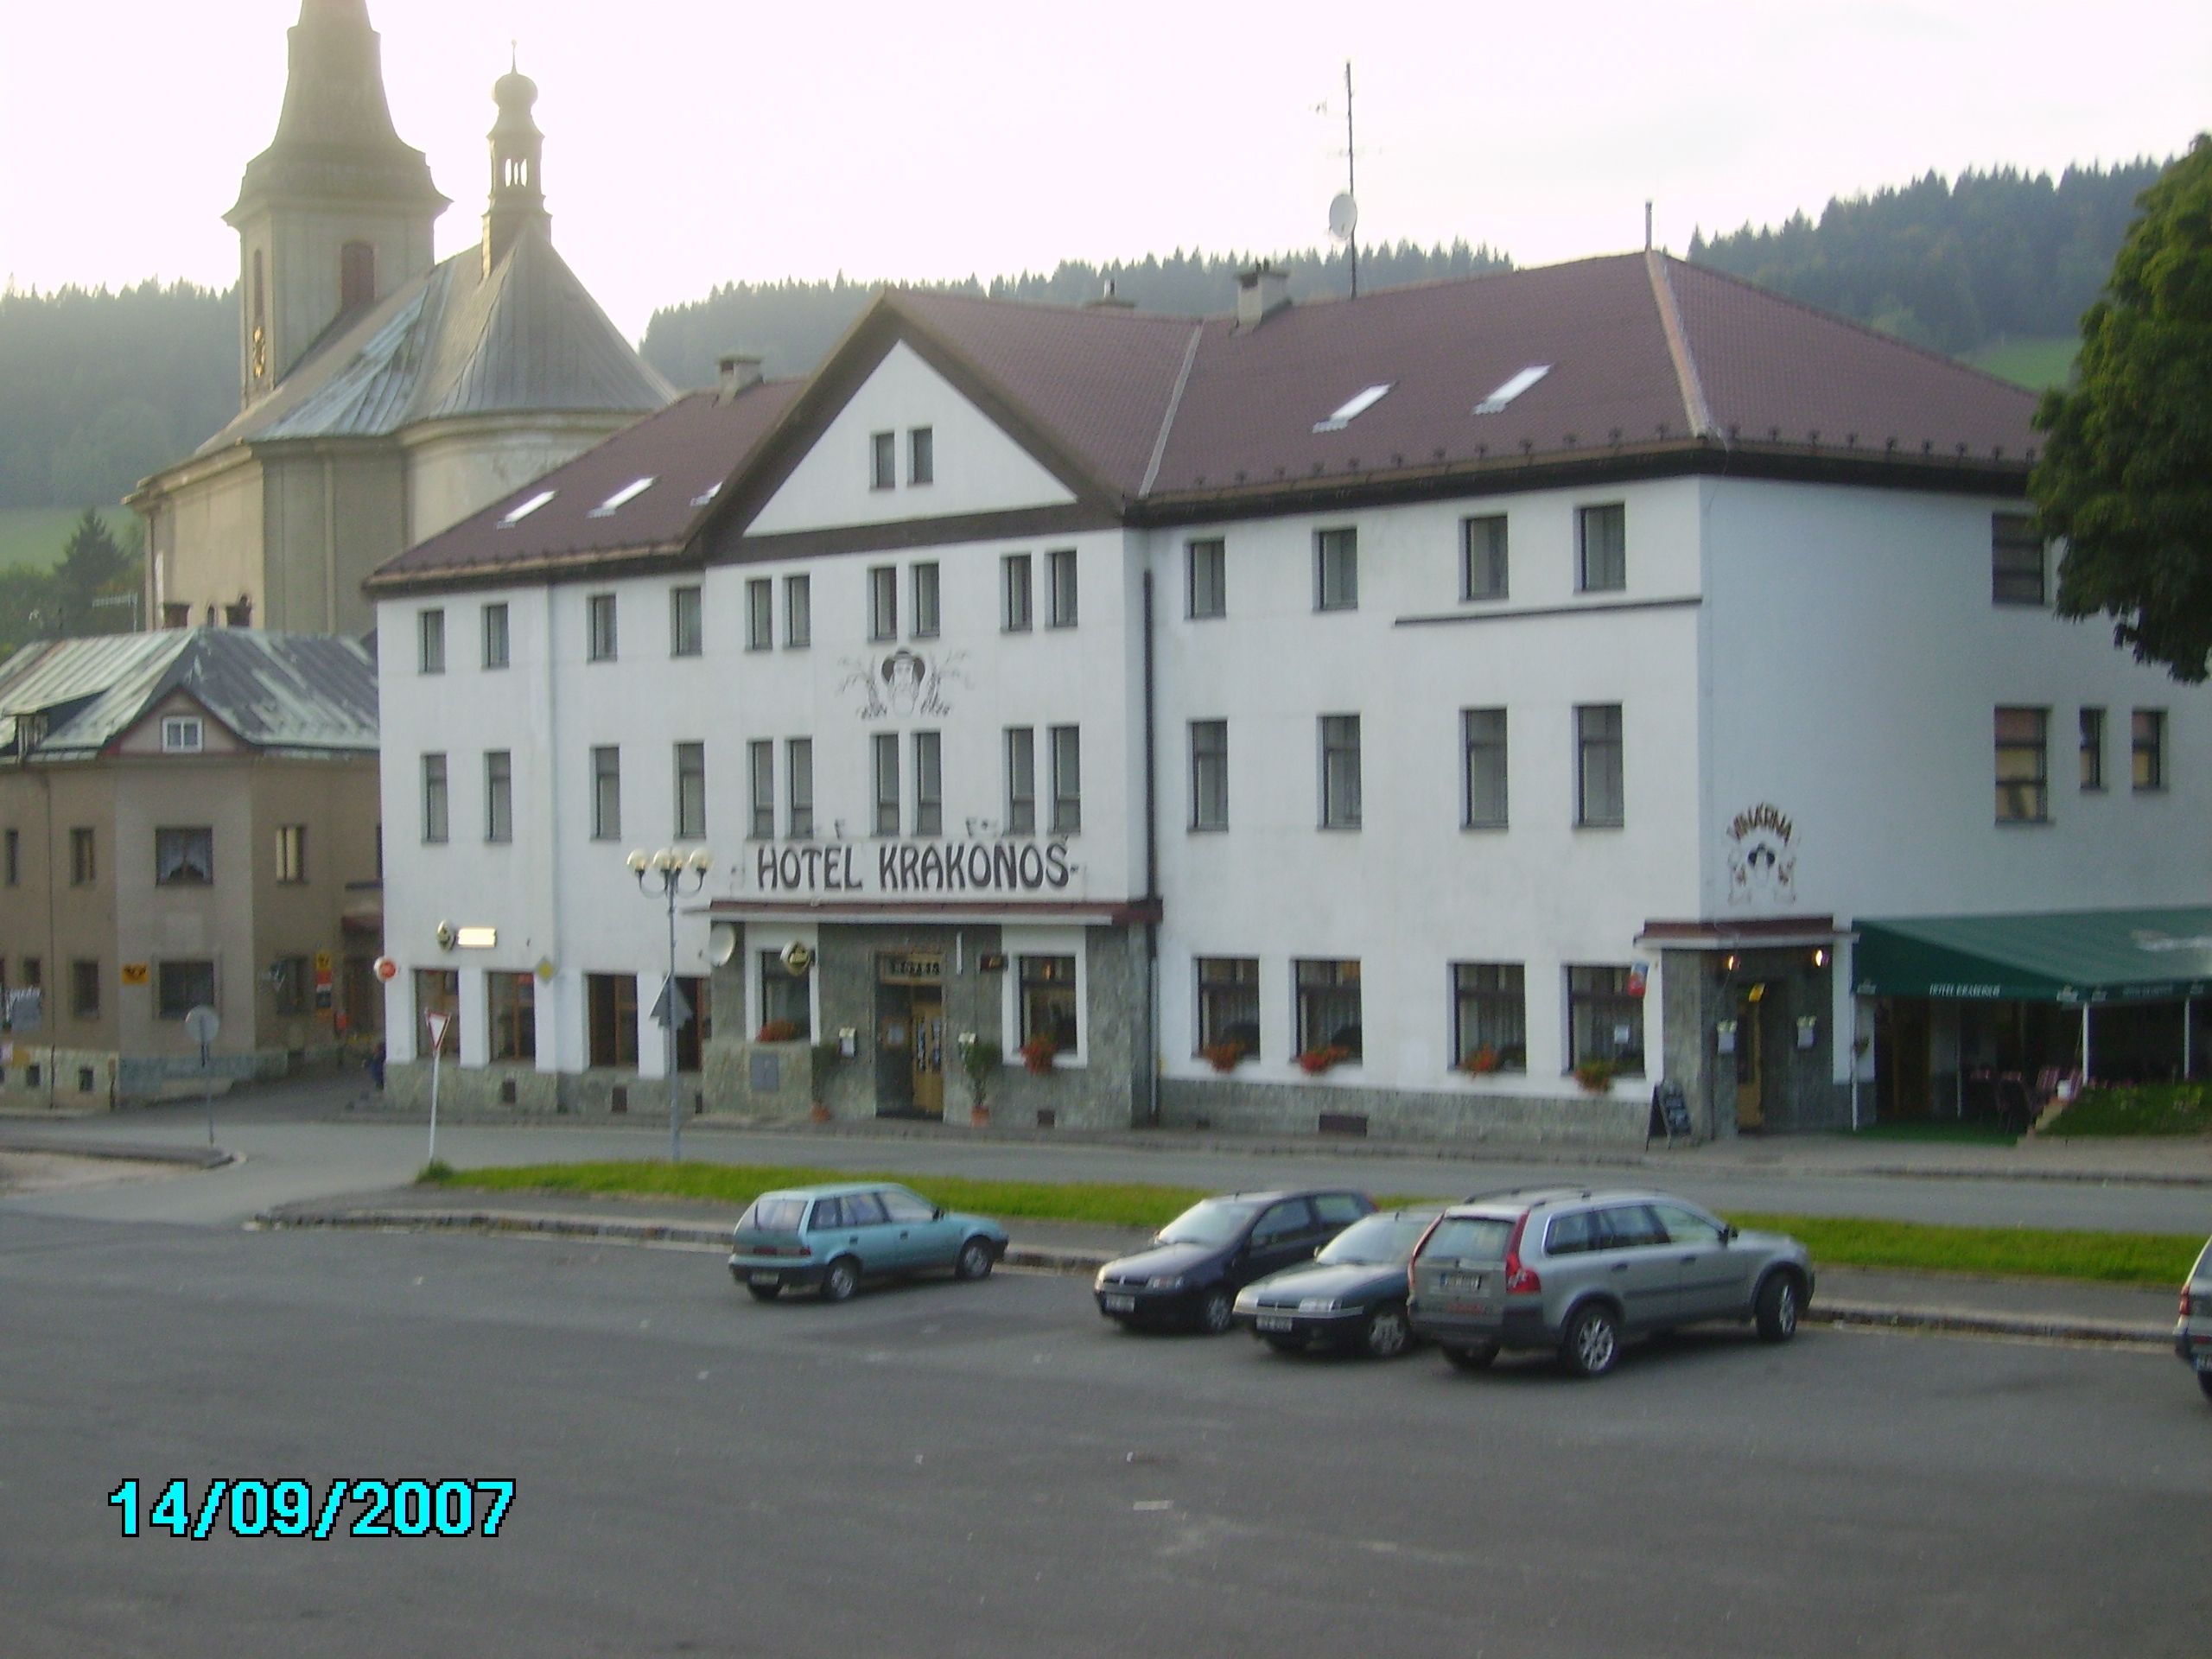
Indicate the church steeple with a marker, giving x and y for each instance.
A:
(517, 157)
(337, 211)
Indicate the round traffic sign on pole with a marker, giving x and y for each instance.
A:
(202, 1023)
(386, 968)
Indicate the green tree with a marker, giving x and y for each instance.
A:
(2126, 474)
(91, 566)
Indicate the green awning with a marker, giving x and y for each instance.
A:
(2071, 956)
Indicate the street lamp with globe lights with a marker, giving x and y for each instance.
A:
(663, 872)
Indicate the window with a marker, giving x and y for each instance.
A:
(2093, 749)
(180, 987)
(784, 999)
(437, 990)
(1067, 779)
(2016, 573)
(2150, 731)
(499, 796)
(495, 635)
(1020, 781)
(1601, 549)
(1598, 799)
(184, 857)
(883, 602)
(687, 634)
(882, 459)
(1207, 587)
(798, 762)
(511, 1012)
(14, 856)
(1604, 1020)
(1490, 1011)
(515, 515)
(760, 770)
(433, 798)
(760, 613)
(1014, 572)
(1336, 569)
(1327, 1005)
(82, 865)
(1496, 402)
(1352, 408)
(929, 783)
(621, 498)
(85, 990)
(2023, 765)
(691, 792)
(1209, 774)
(1340, 772)
(430, 641)
(798, 611)
(1481, 740)
(886, 783)
(611, 1009)
(926, 611)
(183, 734)
(357, 275)
(1060, 587)
(291, 853)
(1482, 556)
(288, 981)
(599, 615)
(921, 455)
(606, 794)
(1048, 1002)
(1229, 1003)
(33, 975)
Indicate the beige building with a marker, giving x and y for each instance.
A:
(186, 817)
(383, 396)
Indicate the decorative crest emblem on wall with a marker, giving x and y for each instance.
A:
(903, 683)
(1762, 856)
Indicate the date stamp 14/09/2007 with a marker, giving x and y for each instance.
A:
(320, 1511)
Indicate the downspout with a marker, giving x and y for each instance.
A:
(1151, 867)
(47, 1007)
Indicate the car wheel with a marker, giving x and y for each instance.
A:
(1778, 1307)
(765, 1293)
(1214, 1312)
(1471, 1360)
(1282, 1343)
(1592, 1342)
(1386, 1336)
(842, 1278)
(974, 1261)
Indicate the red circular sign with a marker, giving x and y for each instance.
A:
(386, 968)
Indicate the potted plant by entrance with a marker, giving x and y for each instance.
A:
(1596, 1076)
(828, 1054)
(1038, 1053)
(981, 1061)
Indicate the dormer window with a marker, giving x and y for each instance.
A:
(183, 734)
(1505, 394)
(630, 492)
(515, 515)
(1346, 413)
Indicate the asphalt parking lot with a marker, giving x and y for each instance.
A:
(991, 1469)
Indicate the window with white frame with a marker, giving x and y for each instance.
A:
(431, 640)
(690, 791)
(1015, 608)
(1327, 1012)
(1598, 802)
(760, 771)
(180, 987)
(687, 632)
(786, 1009)
(1604, 1018)
(2023, 765)
(1209, 774)
(495, 635)
(760, 613)
(1021, 780)
(799, 770)
(184, 855)
(929, 783)
(510, 1016)
(1601, 547)
(1482, 556)
(926, 619)
(1206, 578)
(921, 455)
(883, 601)
(1481, 739)
(1229, 1003)
(882, 459)
(1049, 1006)
(291, 853)
(1340, 806)
(1067, 779)
(885, 768)
(1336, 569)
(2015, 559)
(2093, 749)
(433, 798)
(2149, 727)
(606, 794)
(183, 734)
(1490, 1016)
(798, 611)
(599, 628)
(1060, 587)
(498, 795)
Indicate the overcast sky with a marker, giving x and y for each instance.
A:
(691, 143)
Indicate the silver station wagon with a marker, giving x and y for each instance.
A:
(1579, 1271)
(2193, 1331)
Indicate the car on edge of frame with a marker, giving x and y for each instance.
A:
(1189, 1276)
(1353, 1295)
(828, 1238)
(2193, 1331)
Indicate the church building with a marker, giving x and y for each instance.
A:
(384, 395)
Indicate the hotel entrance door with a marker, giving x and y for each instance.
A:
(910, 1035)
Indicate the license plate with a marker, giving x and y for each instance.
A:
(1271, 1322)
(1459, 1282)
(2203, 1362)
(1119, 1303)
(764, 1278)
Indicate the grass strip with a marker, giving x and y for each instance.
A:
(2161, 1258)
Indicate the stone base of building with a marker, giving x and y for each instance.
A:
(525, 1091)
(81, 1080)
(1573, 1118)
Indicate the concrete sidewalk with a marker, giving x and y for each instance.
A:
(2052, 1310)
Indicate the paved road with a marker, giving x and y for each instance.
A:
(985, 1470)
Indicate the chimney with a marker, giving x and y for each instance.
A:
(1261, 292)
(738, 371)
(1109, 300)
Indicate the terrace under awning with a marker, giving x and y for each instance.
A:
(2074, 957)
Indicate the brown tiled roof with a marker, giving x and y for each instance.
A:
(687, 449)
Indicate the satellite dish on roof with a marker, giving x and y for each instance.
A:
(1343, 216)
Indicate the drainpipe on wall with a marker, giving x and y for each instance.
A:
(1151, 874)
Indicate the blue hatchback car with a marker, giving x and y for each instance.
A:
(828, 1238)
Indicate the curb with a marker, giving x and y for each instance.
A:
(1042, 1258)
(198, 1157)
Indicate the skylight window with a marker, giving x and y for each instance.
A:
(708, 494)
(515, 515)
(1505, 394)
(1347, 413)
(630, 492)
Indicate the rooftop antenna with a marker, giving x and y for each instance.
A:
(1647, 225)
(1344, 211)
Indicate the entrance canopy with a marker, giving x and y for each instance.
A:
(2066, 956)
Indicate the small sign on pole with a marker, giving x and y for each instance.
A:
(202, 1025)
(438, 1020)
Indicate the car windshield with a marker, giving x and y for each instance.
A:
(1469, 1238)
(774, 1215)
(1376, 1241)
(1216, 1221)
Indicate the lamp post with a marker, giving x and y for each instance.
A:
(663, 872)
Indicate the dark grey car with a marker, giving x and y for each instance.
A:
(1352, 1295)
(1579, 1271)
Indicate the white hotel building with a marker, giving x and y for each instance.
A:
(1443, 713)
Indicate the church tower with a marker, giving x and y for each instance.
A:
(337, 211)
(518, 161)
